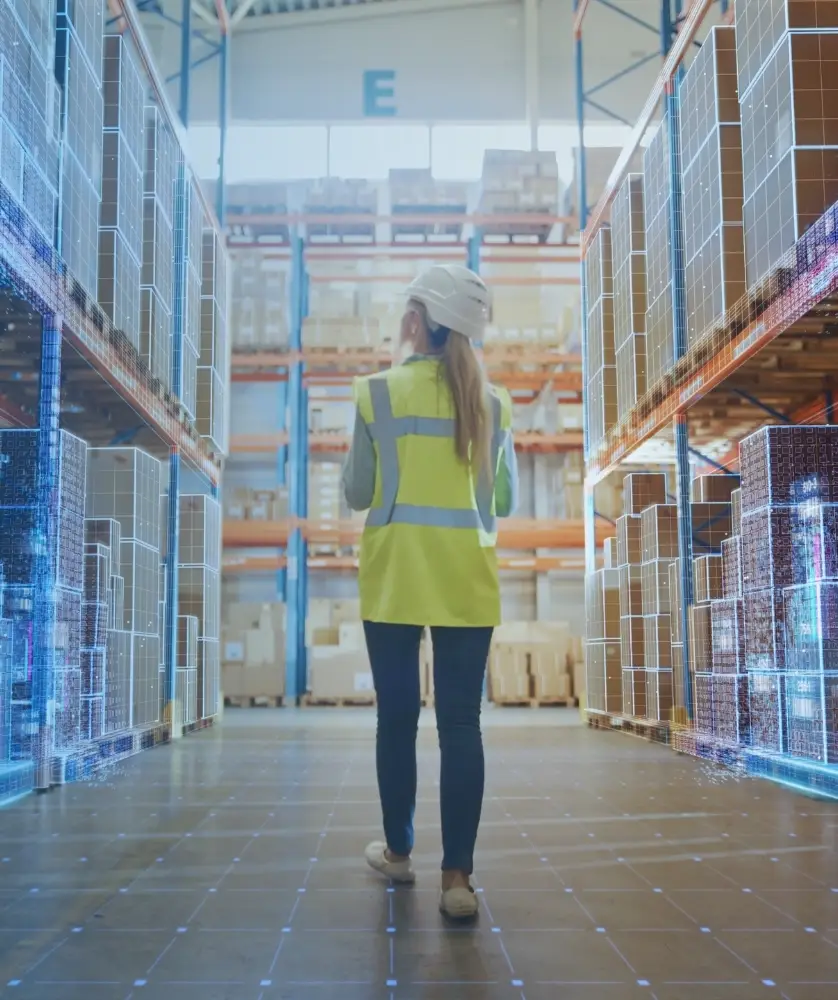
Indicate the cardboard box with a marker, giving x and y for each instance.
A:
(335, 675)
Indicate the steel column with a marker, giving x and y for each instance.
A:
(46, 549)
(679, 309)
(223, 105)
(296, 583)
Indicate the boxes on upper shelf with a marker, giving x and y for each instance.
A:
(711, 157)
(732, 577)
(628, 234)
(716, 488)
(659, 532)
(789, 179)
(707, 579)
(514, 181)
(660, 342)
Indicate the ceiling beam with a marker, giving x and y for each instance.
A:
(353, 12)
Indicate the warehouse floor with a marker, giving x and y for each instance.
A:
(227, 868)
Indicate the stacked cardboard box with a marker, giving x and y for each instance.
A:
(124, 484)
(629, 239)
(196, 223)
(600, 360)
(640, 491)
(413, 191)
(335, 196)
(162, 157)
(106, 645)
(789, 569)
(786, 54)
(711, 160)
(253, 651)
(531, 661)
(245, 504)
(339, 667)
(30, 111)
(199, 591)
(186, 670)
(658, 207)
(659, 546)
(79, 50)
(22, 503)
(517, 182)
(328, 331)
(211, 421)
(121, 219)
(258, 300)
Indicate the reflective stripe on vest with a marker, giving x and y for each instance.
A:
(386, 429)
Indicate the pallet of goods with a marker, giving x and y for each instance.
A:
(253, 654)
(519, 183)
(534, 663)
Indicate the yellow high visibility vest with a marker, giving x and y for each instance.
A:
(428, 547)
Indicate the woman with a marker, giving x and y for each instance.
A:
(433, 462)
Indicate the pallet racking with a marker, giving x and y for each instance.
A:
(74, 360)
(499, 245)
(761, 358)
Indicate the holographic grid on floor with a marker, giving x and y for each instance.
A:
(228, 866)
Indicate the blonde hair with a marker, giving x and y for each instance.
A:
(465, 380)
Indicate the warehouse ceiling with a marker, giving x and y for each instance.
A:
(240, 9)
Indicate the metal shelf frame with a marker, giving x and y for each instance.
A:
(34, 271)
(694, 376)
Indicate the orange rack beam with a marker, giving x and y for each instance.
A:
(515, 533)
(256, 444)
(696, 380)
(270, 564)
(511, 219)
(520, 353)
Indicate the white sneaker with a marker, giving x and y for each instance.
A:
(459, 903)
(396, 871)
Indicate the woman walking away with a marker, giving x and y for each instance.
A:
(432, 460)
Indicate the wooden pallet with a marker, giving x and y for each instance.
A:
(256, 701)
(535, 702)
(367, 701)
(647, 729)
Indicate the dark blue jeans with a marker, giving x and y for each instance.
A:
(460, 656)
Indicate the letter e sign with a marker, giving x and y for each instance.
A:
(379, 93)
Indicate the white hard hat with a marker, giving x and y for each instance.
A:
(455, 298)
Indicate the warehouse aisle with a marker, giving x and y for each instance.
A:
(228, 868)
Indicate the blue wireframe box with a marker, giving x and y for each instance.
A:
(789, 465)
(79, 223)
(731, 709)
(728, 636)
(200, 531)
(811, 616)
(767, 711)
(162, 160)
(158, 252)
(122, 193)
(767, 549)
(37, 18)
(814, 542)
(124, 96)
(117, 701)
(156, 336)
(145, 680)
(765, 631)
(85, 20)
(211, 407)
(189, 367)
(812, 716)
(209, 677)
(83, 106)
(119, 284)
(124, 484)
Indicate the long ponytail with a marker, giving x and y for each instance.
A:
(465, 379)
(466, 382)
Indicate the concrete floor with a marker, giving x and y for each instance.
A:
(227, 868)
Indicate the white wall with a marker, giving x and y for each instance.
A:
(460, 64)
